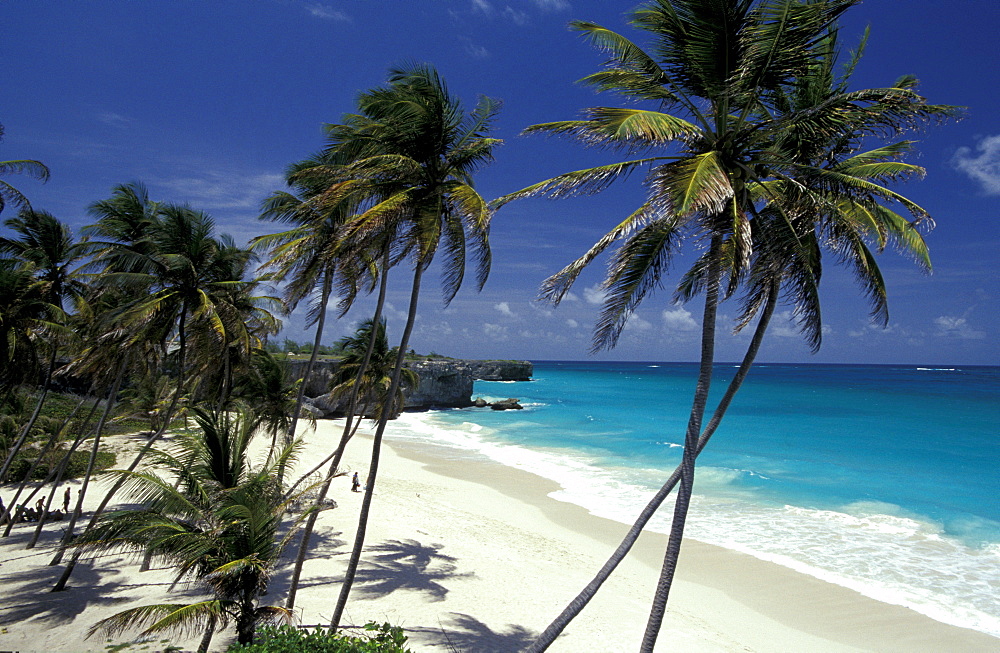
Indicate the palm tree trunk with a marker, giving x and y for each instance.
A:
(387, 410)
(58, 475)
(38, 459)
(206, 639)
(181, 355)
(559, 624)
(67, 538)
(317, 342)
(690, 450)
(34, 417)
(34, 465)
(338, 454)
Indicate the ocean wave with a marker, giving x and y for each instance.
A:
(875, 548)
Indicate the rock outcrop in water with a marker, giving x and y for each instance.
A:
(444, 383)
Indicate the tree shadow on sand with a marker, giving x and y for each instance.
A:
(405, 565)
(464, 633)
(27, 595)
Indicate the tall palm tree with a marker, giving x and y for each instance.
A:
(419, 139)
(309, 256)
(48, 246)
(9, 194)
(733, 181)
(215, 516)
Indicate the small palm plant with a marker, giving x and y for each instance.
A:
(376, 379)
(216, 517)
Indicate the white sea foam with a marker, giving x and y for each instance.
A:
(875, 548)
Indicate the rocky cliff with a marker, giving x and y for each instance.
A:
(444, 383)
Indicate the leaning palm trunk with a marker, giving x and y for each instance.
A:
(37, 461)
(338, 454)
(575, 606)
(690, 449)
(91, 462)
(388, 409)
(34, 418)
(181, 356)
(317, 342)
(56, 477)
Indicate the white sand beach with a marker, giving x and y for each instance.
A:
(469, 555)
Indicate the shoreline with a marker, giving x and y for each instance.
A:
(468, 554)
(791, 599)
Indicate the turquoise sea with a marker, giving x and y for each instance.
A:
(879, 478)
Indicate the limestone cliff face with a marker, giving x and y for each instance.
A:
(444, 383)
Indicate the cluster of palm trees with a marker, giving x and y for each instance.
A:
(752, 146)
(151, 298)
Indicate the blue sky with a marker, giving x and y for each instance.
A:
(207, 102)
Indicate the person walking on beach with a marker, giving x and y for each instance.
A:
(66, 498)
(355, 483)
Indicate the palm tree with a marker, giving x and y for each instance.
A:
(309, 256)
(420, 141)
(25, 316)
(371, 385)
(735, 181)
(219, 522)
(9, 194)
(48, 247)
(183, 277)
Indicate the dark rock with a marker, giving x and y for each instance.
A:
(444, 383)
(506, 404)
(480, 403)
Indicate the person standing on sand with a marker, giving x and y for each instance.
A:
(66, 498)
(355, 483)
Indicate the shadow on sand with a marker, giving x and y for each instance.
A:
(464, 633)
(405, 565)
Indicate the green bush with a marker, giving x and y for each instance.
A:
(288, 639)
(76, 467)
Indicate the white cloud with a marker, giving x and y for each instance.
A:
(571, 323)
(957, 327)
(636, 323)
(570, 297)
(679, 319)
(495, 331)
(483, 6)
(552, 5)
(220, 189)
(113, 119)
(783, 326)
(504, 308)
(594, 294)
(476, 51)
(984, 168)
(515, 16)
(327, 12)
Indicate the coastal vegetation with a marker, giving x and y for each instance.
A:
(752, 145)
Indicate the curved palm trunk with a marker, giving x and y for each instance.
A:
(690, 451)
(338, 454)
(57, 473)
(575, 606)
(317, 341)
(34, 418)
(387, 411)
(37, 461)
(91, 462)
(181, 355)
